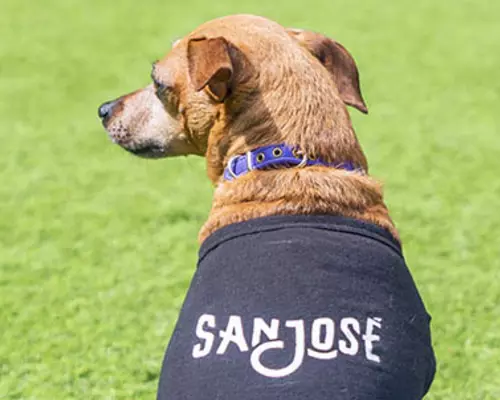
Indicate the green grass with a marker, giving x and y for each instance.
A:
(97, 247)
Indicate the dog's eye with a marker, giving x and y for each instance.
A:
(160, 88)
(166, 94)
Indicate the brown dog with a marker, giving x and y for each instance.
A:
(239, 83)
(221, 91)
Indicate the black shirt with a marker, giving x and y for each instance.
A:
(300, 307)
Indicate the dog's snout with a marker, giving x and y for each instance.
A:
(106, 109)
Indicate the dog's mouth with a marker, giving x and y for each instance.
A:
(144, 149)
(150, 151)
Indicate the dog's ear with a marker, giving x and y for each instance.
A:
(210, 66)
(338, 61)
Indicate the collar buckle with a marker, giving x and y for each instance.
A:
(230, 167)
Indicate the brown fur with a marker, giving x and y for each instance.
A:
(241, 82)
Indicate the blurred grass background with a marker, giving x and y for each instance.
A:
(97, 247)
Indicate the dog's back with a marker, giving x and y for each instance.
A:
(296, 307)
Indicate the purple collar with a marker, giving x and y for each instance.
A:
(274, 156)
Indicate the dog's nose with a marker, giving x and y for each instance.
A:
(106, 109)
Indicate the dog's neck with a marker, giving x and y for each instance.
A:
(298, 110)
(306, 191)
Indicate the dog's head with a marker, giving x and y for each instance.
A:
(238, 82)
